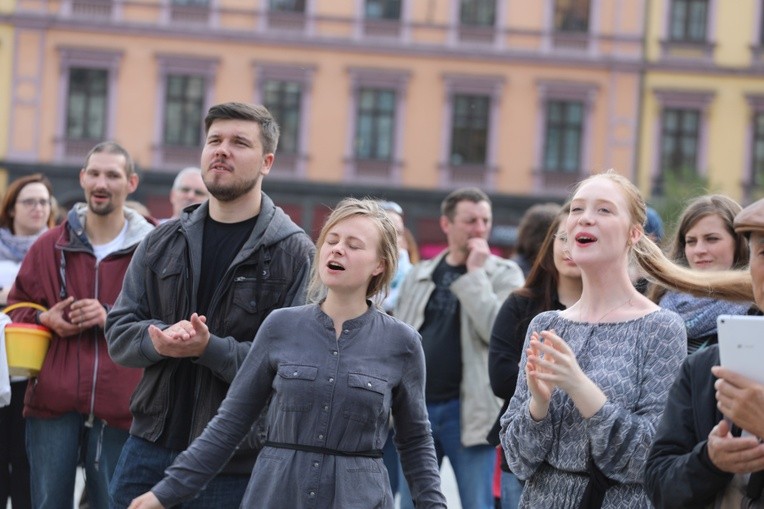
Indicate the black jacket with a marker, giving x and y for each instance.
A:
(270, 271)
(679, 472)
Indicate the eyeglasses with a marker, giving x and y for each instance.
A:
(197, 192)
(31, 202)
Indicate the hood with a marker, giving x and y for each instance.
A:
(137, 226)
(273, 224)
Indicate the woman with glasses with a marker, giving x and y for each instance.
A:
(25, 214)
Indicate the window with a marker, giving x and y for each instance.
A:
(375, 123)
(286, 91)
(287, 15)
(469, 131)
(571, 16)
(383, 9)
(88, 87)
(374, 145)
(757, 156)
(86, 104)
(680, 132)
(562, 152)
(184, 110)
(282, 98)
(688, 21)
(190, 11)
(477, 12)
(287, 5)
(563, 136)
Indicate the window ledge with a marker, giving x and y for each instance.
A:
(687, 51)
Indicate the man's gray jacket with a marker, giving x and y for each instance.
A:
(480, 295)
(270, 271)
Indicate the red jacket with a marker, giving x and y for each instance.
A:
(78, 375)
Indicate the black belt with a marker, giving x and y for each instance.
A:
(373, 453)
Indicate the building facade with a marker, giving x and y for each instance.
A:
(703, 107)
(404, 99)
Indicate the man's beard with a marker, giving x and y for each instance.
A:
(230, 192)
(103, 209)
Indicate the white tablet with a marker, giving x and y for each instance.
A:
(741, 344)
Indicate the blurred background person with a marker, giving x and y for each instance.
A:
(453, 300)
(554, 282)
(395, 213)
(187, 189)
(704, 240)
(25, 214)
(654, 231)
(531, 232)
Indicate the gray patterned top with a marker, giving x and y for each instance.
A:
(634, 363)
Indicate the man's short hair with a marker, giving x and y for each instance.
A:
(269, 129)
(112, 147)
(473, 194)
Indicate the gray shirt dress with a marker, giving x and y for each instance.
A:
(326, 395)
(634, 363)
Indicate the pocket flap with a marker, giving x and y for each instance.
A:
(298, 372)
(367, 382)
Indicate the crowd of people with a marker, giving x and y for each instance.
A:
(220, 358)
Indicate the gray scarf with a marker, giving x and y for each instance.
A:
(15, 247)
(699, 313)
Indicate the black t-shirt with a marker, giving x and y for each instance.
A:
(441, 332)
(221, 242)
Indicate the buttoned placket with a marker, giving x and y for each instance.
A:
(332, 370)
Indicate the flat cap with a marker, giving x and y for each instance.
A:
(750, 218)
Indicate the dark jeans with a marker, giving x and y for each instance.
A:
(56, 446)
(390, 458)
(142, 465)
(14, 466)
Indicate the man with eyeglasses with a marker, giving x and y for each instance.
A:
(187, 189)
(77, 407)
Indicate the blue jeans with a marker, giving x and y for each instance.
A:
(511, 489)
(56, 446)
(142, 465)
(390, 458)
(473, 466)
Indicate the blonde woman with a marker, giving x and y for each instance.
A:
(332, 371)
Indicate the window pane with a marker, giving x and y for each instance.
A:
(383, 9)
(375, 120)
(679, 139)
(287, 5)
(478, 12)
(689, 19)
(469, 134)
(283, 100)
(571, 16)
(184, 103)
(564, 135)
(86, 104)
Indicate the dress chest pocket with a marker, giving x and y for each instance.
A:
(366, 397)
(295, 386)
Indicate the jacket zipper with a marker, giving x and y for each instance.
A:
(91, 417)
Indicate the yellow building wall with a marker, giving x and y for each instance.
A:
(728, 75)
